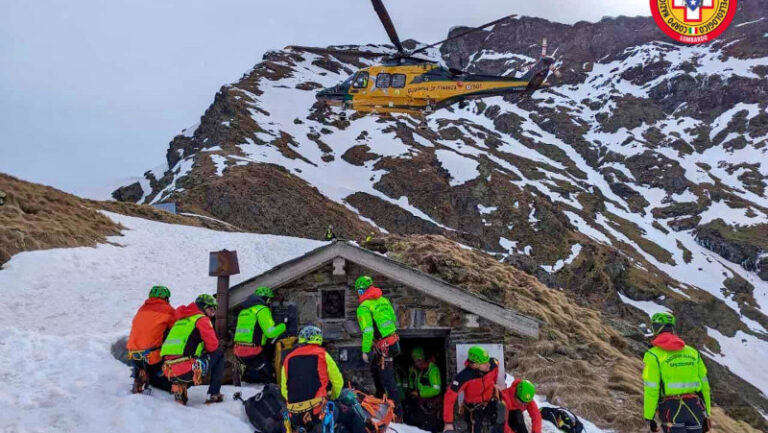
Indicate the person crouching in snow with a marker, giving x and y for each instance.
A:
(192, 349)
(148, 329)
(519, 397)
(255, 327)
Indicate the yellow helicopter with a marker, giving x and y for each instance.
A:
(413, 85)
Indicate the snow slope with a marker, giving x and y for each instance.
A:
(64, 308)
(70, 305)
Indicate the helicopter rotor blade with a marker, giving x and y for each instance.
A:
(381, 11)
(464, 33)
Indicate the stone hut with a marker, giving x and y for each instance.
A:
(444, 319)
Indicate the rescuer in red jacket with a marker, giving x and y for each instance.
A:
(519, 397)
(482, 400)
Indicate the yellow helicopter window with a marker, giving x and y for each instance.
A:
(398, 80)
(361, 80)
(383, 81)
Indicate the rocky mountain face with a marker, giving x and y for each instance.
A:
(636, 183)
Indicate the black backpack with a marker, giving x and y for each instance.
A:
(563, 419)
(265, 409)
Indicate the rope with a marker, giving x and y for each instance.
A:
(328, 421)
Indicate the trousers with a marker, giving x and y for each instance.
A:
(154, 373)
(682, 415)
(487, 418)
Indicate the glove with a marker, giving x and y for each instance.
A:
(365, 357)
(707, 425)
(653, 426)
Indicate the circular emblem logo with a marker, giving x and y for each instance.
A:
(693, 21)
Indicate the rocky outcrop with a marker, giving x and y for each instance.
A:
(745, 246)
(131, 193)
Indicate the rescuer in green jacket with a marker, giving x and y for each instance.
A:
(424, 388)
(255, 328)
(675, 382)
(378, 324)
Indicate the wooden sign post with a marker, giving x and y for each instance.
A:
(222, 264)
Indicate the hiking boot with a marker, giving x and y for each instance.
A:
(180, 393)
(140, 381)
(215, 398)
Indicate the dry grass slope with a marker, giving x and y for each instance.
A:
(580, 361)
(36, 217)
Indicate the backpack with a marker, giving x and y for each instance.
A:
(283, 347)
(563, 419)
(265, 409)
(381, 412)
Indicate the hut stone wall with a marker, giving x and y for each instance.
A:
(418, 316)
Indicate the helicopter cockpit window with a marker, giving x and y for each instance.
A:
(361, 80)
(398, 80)
(383, 80)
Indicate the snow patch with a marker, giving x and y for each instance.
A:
(461, 168)
(742, 354)
(649, 307)
(560, 264)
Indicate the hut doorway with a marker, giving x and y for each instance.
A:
(435, 345)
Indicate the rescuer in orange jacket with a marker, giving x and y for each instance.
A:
(148, 330)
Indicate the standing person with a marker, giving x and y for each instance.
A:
(380, 343)
(151, 323)
(192, 348)
(675, 382)
(329, 234)
(517, 398)
(482, 404)
(255, 326)
(309, 380)
(424, 387)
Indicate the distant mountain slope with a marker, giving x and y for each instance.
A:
(637, 183)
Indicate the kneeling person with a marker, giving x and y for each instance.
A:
(255, 326)
(423, 399)
(481, 402)
(148, 329)
(192, 350)
(309, 380)
(519, 397)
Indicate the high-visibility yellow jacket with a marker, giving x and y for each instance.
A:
(672, 368)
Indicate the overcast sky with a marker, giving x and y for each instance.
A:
(92, 91)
